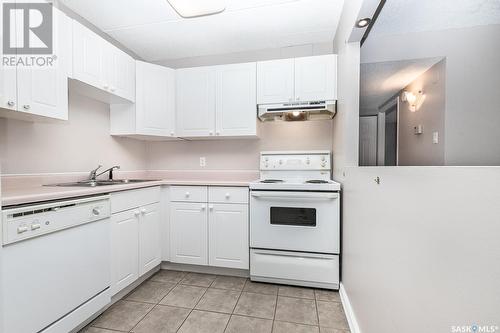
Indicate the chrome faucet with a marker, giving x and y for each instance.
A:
(93, 174)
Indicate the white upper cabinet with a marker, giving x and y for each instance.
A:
(88, 50)
(217, 101)
(101, 65)
(297, 80)
(41, 90)
(236, 100)
(316, 78)
(153, 113)
(196, 102)
(275, 81)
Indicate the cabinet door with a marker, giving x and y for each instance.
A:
(195, 112)
(155, 100)
(124, 249)
(275, 81)
(43, 90)
(123, 84)
(188, 233)
(87, 56)
(316, 78)
(228, 235)
(8, 80)
(149, 238)
(236, 107)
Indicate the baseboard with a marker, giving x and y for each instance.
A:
(205, 269)
(349, 313)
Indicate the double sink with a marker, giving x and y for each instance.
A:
(106, 182)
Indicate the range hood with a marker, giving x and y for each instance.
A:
(297, 111)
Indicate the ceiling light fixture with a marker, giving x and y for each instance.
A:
(195, 8)
(364, 22)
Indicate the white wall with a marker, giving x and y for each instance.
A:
(421, 251)
(76, 145)
(240, 154)
(473, 78)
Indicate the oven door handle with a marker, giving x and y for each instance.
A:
(295, 195)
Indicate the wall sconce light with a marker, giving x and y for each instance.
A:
(414, 100)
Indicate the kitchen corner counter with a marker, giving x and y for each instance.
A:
(19, 190)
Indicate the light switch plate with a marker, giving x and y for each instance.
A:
(435, 137)
(203, 162)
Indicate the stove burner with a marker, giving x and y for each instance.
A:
(317, 181)
(271, 181)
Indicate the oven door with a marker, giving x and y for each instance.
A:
(295, 221)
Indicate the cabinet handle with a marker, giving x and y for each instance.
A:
(143, 211)
(187, 194)
(137, 213)
(105, 86)
(210, 133)
(217, 133)
(11, 103)
(26, 107)
(203, 207)
(112, 88)
(298, 98)
(171, 133)
(227, 195)
(211, 207)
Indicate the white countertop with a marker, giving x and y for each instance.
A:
(24, 190)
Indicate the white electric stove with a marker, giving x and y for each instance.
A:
(295, 220)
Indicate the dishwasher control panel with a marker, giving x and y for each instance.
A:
(25, 222)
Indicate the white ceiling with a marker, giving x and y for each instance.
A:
(404, 16)
(380, 81)
(155, 32)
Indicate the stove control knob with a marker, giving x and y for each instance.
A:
(308, 161)
(281, 162)
(22, 229)
(35, 226)
(323, 158)
(323, 164)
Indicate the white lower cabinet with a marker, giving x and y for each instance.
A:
(228, 235)
(188, 233)
(207, 232)
(149, 238)
(135, 235)
(124, 250)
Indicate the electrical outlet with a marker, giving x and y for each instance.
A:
(203, 162)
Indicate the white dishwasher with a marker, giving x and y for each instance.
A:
(56, 264)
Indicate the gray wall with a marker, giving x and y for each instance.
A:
(419, 149)
(473, 79)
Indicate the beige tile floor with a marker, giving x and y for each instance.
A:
(173, 301)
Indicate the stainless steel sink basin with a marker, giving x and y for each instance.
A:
(89, 183)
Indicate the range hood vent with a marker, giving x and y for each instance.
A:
(299, 111)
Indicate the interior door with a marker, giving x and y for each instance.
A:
(316, 78)
(124, 249)
(154, 100)
(368, 140)
(236, 107)
(275, 81)
(188, 233)
(195, 112)
(228, 235)
(149, 238)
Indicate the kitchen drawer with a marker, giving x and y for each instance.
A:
(218, 194)
(125, 200)
(188, 193)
